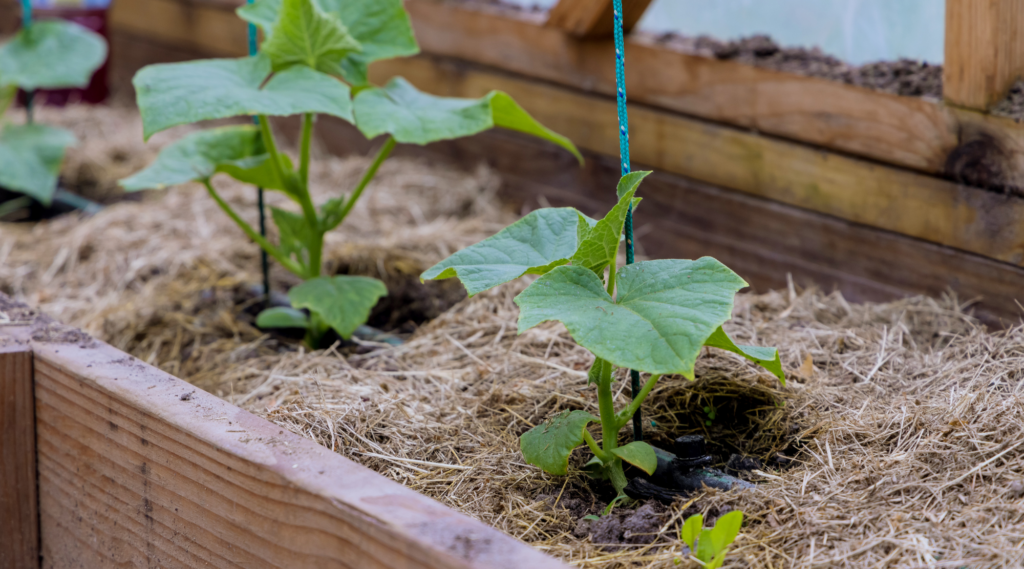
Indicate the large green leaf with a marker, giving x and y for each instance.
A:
(52, 54)
(666, 310)
(30, 158)
(549, 444)
(768, 358)
(415, 117)
(639, 454)
(306, 35)
(235, 150)
(343, 302)
(382, 27)
(599, 248)
(181, 93)
(537, 243)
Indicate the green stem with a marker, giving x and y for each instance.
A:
(382, 155)
(611, 279)
(248, 230)
(14, 205)
(596, 448)
(307, 138)
(275, 156)
(609, 422)
(626, 414)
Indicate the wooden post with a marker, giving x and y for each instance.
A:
(984, 51)
(592, 19)
(19, 509)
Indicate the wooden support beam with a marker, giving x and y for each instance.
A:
(984, 51)
(19, 514)
(592, 19)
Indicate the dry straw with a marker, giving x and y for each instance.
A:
(904, 420)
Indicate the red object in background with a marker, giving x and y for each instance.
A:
(96, 20)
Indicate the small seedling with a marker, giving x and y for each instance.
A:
(314, 61)
(710, 412)
(651, 316)
(709, 546)
(50, 54)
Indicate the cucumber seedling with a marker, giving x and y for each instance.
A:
(313, 62)
(710, 546)
(49, 54)
(651, 316)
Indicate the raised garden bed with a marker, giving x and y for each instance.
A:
(898, 428)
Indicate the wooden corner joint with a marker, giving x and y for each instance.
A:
(592, 19)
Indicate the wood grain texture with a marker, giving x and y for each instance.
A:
(984, 51)
(207, 26)
(901, 201)
(760, 239)
(139, 469)
(19, 516)
(589, 19)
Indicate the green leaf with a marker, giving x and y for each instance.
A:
(30, 159)
(52, 54)
(666, 310)
(639, 454)
(726, 529)
(170, 94)
(549, 444)
(717, 561)
(306, 35)
(415, 117)
(343, 302)
(537, 243)
(237, 150)
(599, 248)
(596, 371)
(705, 547)
(768, 358)
(282, 317)
(691, 530)
(7, 95)
(294, 235)
(330, 213)
(382, 27)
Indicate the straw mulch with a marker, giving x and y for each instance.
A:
(897, 442)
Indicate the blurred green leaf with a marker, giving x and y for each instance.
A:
(282, 317)
(52, 54)
(30, 159)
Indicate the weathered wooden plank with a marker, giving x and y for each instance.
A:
(138, 468)
(589, 19)
(984, 51)
(897, 200)
(19, 516)
(760, 239)
(208, 26)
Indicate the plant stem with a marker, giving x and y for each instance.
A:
(611, 279)
(382, 155)
(626, 414)
(307, 138)
(14, 205)
(252, 234)
(595, 448)
(609, 422)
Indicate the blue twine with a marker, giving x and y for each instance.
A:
(620, 99)
(26, 23)
(264, 260)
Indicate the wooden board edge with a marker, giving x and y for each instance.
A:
(19, 513)
(417, 531)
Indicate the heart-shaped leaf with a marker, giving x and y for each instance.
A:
(282, 317)
(382, 28)
(235, 150)
(600, 247)
(666, 310)
(306, 35)
(294, 233)
(170, 94)
(639, 454)
(549, 444)
(691, 530)
(768, 358)
(537, 243)
(343, 302)
(52, 54)
(415, 117)
(30, 159)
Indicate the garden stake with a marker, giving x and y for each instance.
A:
(264, 260)
(620, 98)
(26, 23)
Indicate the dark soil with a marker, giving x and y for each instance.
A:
(902, 77)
